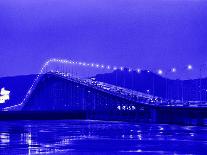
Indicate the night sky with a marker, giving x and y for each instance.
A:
(148, 34)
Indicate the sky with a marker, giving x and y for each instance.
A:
(147, 34)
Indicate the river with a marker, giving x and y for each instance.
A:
(78, 136)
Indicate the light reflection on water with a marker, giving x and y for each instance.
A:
(76, 136)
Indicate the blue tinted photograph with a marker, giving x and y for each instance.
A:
(103, 77)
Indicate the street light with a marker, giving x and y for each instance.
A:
(173, 70)
(148, 91)
(160, 72)
(189, 67)
(138, 70)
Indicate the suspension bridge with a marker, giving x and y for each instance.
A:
(59, 92)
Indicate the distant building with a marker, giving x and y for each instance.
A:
(4, 95)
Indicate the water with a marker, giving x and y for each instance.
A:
(78, 136)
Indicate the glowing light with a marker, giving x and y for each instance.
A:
(160, 72)
(130, 70)
(138, 70)
(115, 68)
(97, 65)
(139, 150)
(108, 67)
(161, 128)
(190, 67)
(4, 95)
(121, 68)
(173, 70)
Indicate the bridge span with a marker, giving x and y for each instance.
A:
(60, 95)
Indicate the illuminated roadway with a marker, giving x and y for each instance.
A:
(140, 98)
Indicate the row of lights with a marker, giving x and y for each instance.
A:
(47, 63)
(108, 67)
(174, 70)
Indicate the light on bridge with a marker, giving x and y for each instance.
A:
(115, 68)
(173, 70)
(190, 67)
(160, 72)
(138, 70)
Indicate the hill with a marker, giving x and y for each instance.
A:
(148, 82)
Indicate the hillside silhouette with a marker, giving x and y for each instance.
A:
(154, 84)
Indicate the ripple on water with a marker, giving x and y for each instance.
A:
(64, 136)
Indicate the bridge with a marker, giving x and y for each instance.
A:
(59, 92)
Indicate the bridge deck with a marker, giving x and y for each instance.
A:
(130, 95)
